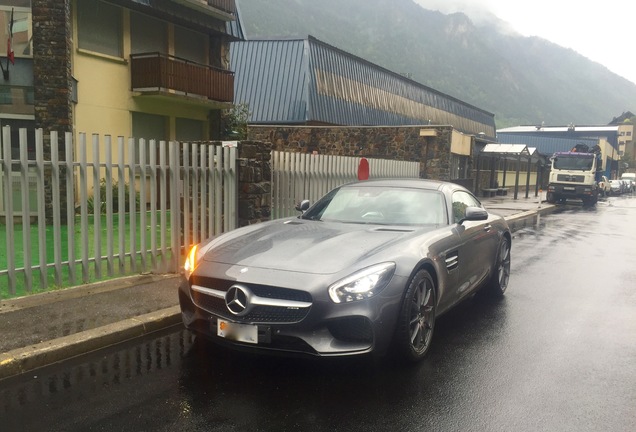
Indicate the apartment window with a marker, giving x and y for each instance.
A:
(149, 127)
(16, 125)
(22, 40)
(189, 130)
(189, 45)
(148, 34)
(5, 96)
(99, 27)
(629, 134)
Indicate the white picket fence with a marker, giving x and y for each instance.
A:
(299, 176)
(169, 196)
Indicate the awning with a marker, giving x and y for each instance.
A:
(511, 151)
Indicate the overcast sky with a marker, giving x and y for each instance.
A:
(604, 33)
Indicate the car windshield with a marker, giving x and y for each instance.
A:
(380, 205)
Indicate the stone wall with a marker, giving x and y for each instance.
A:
(398, 143)
(52, 80)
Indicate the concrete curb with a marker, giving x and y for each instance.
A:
(25, 359)
(520, 220)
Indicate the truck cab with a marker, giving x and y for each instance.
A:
(574, 175)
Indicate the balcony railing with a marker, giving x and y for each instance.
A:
(160, 72)
(227, 6)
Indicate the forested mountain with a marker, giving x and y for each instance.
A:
(521, 80)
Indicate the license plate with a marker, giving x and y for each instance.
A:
(569, 188)
(237, 332)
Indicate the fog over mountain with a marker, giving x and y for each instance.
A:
(478, 12)
(522, 80)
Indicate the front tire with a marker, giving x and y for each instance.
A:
(416, 320)
(551, 198)
(499, 282)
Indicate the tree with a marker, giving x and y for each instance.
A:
(234, 122)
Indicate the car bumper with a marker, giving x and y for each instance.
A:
(324, 329)
(570, 190)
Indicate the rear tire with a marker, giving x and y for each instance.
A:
(416, 320)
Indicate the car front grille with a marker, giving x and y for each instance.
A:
(259, 313)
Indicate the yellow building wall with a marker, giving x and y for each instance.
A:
(103, 95)
(106, 101)
(511, 176)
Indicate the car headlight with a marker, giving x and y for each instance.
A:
(362, 284)
(191, 261)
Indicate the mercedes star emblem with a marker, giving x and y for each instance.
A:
(236, 300)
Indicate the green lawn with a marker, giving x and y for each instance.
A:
(18, 252)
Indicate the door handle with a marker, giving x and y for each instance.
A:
(488, 227)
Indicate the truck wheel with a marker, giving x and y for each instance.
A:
(550, 198)
(590, 201)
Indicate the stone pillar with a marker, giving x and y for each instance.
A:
(255, 182)
(52, 79)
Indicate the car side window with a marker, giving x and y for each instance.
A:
(461, 200)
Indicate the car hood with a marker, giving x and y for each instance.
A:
(307, 246)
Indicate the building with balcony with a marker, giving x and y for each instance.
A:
(153, 69)
(136, 68)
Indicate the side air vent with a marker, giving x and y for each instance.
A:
(452, 260)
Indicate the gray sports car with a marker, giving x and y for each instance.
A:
(367, 268)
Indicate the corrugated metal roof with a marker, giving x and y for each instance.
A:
(551, 129)
(270, 76)
(321, 83)
(349, 90)
(546, 145)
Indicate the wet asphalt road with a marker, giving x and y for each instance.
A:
(557, 354)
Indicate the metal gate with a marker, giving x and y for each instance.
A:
(298, 176)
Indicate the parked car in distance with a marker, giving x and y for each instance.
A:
(629, 176)
(366, 269)
(604, 186)
(616, 187)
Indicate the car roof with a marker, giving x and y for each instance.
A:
(408, 183)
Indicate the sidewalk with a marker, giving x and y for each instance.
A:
(46, 328)
(511, 209)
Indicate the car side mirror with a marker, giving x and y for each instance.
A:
(475, 214)
(302, 206)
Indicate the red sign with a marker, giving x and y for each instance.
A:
(363, 169)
